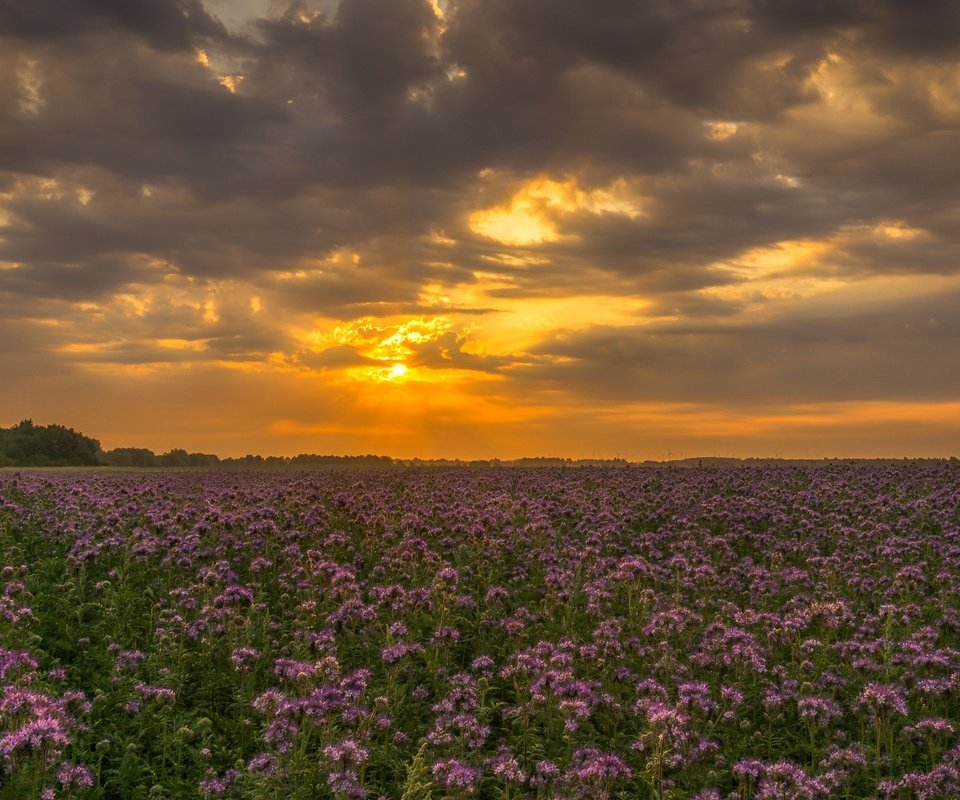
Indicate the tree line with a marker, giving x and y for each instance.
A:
(29, 445)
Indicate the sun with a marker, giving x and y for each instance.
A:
(398, 371)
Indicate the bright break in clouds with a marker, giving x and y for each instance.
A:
(483, 227)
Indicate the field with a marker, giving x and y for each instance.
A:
(580, 633)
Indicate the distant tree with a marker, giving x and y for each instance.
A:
(131, 457)
(29, 445)
(203, 460)
(141, 457)
(175, 458)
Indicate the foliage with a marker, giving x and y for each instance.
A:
(29, 445)
(418, 785)
(496, 634)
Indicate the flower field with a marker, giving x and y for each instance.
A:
(487, 633)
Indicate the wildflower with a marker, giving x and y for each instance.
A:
(71, 775)
(243, 658)
(819, 710)
(453, 774)
(881, 700)
(263, 763)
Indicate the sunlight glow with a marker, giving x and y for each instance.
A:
(789, 254)
(532, 213)
(231, 82)
(210, 314)
(30, 83)
(518, 223)
(897, 229)
(181, 344)
(719, 130)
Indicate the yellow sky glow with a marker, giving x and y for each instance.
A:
(457, 229)
(532, 214)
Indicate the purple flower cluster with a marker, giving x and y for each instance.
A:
(764, 634)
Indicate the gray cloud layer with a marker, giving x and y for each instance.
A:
(127, 164)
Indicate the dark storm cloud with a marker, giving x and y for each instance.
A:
(708, 44)
(240, 237)
(336, 357)
(137, 115)
(688, 53)
(350, 288)
(930, 255)
(600, 89)
(892, 350)
(372, 51)
(391, 101)
(74, 282)
(447, 352)
(166, 24)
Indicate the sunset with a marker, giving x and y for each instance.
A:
(479, 399)
(477, 229)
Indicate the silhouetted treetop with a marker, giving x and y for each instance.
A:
(29, 445)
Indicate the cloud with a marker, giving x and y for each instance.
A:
(607, 202)
(165, 24)
(833, 349)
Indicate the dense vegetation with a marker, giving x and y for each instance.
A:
(29, 445)
(775, 634)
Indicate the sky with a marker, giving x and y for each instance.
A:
(483, 228)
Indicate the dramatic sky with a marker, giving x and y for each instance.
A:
(476, 228)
